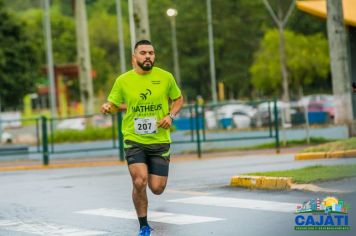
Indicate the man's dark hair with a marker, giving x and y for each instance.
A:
(143, 42)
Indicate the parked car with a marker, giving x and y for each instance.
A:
(235, 115)
(6, 137)
(210, 119)
(265, 113)
(227, 111)
(241, 120)
(72, 123)
(329, 107)
(322, 106)
(304, 101)
(102, 121)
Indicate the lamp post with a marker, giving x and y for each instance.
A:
(172, 13)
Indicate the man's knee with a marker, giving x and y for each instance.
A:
(159, 189)
(140, 183)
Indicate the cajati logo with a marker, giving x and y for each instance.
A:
(327, 214)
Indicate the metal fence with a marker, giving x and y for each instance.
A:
(196, 125)
(40, 137)
(210, 123)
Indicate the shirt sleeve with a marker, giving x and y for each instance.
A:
(174, 91)
(116, 96)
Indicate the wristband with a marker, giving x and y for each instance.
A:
(171, 116)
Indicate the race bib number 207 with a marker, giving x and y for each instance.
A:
(145, 125)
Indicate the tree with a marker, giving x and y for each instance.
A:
(19, 61)
(104, 48)
(63, 34)
(340, 63)
(237, 30)
(307, 59)
(239, 27)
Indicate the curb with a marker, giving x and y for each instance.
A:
(106, 163)
(322, 155)
(60, 166)
(261, 182)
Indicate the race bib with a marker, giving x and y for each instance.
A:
(145, 125)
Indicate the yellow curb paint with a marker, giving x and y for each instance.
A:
(309, 156)
(350, 153)
(89, 164)
(61, 166)
(261, 182)
(336, 154)
(321, 155)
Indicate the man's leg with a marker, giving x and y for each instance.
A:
(157, 183)
(139, 176)
(158, 167)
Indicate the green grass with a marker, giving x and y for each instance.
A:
(341, 145)
(89, 134)
(313, 173)
(289, 143)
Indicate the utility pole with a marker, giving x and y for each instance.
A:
(86, 82)
(339, 61)
(132, 25)
(142, 26)
(50, 70)
(139, 21)
(172, 13)
(211, 52)
(282, 54)
(120, 36)
(281, 21)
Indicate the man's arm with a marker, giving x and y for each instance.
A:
(177, 104)
(109, 108)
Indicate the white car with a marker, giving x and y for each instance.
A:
(262, 115)
(210, 119)
(227, 111)
(6, 137)
(241, 114)
(73, 123)
(241, 120)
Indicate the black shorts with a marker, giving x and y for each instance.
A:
(156, 156)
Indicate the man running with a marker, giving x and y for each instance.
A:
(146, 91)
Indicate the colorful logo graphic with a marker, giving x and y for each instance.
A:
(327, 214)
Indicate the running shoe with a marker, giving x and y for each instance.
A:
(145, 231)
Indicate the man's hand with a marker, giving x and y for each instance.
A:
(107, 108)
(165, 123)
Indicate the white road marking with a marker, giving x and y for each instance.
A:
(46, 229)
(239, 203)
(195, 193)
(155, 216)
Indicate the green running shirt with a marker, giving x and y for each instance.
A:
(146, 97)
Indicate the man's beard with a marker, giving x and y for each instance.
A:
(144, 66)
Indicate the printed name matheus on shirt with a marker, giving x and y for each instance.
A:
(146, 97)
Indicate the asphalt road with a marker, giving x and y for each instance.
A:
(197, 201)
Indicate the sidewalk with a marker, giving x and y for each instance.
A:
(17, 165)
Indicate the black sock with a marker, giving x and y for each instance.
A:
(143, 221)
